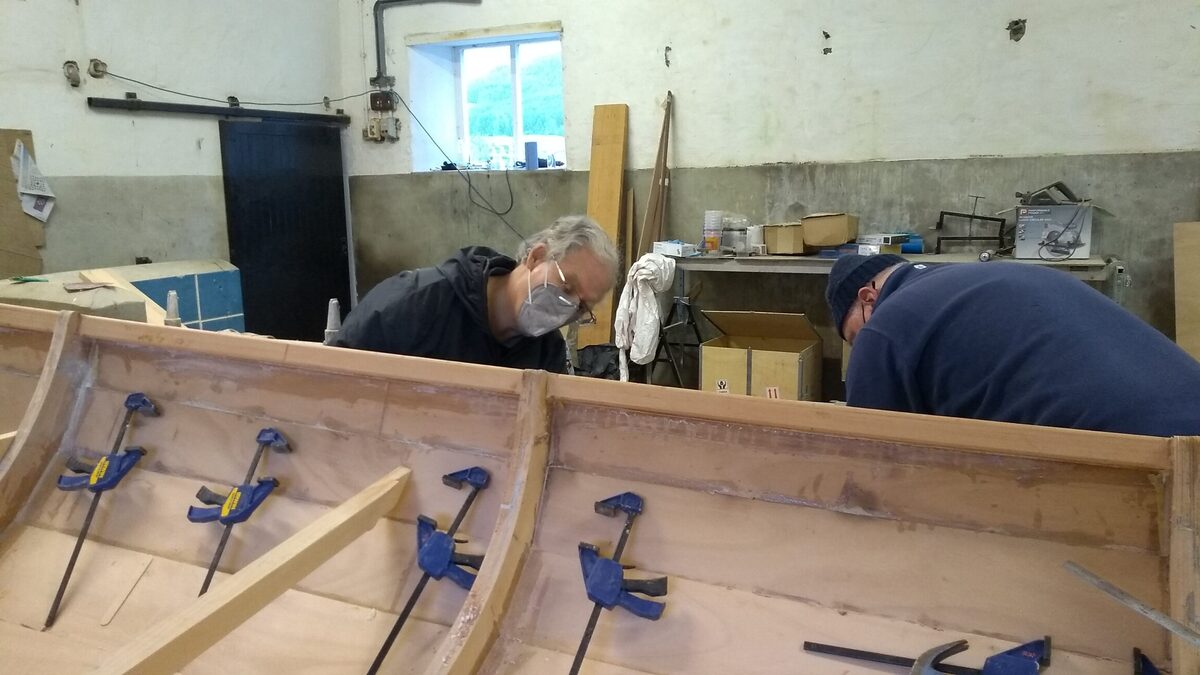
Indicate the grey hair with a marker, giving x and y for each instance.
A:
(573, 232)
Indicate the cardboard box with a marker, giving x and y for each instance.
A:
(762, 354)
(784, 238)
(1060, 232)
(876, 249)
(678, 249)
(829, 229)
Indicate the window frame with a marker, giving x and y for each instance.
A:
(514, 43)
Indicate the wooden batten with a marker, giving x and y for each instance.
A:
(1052, 500)
(27, 318)
(45, 419)
(479, 621)
(174, 643)
(1185, 551)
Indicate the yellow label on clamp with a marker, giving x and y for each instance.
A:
(99, 471)
(231, 502)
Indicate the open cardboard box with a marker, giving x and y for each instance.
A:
(829, 229)
(763, 354)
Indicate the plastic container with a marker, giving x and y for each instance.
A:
(754, 238)
(734, 240)
(713, 222)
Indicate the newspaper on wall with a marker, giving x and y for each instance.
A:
(32, 187)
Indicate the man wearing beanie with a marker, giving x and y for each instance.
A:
(1007, 342)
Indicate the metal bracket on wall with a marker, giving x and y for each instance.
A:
(138, 105)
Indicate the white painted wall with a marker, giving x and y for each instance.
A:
(269, 50)
(905, 79)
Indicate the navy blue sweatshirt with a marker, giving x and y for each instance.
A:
(1019, 343)
(441, 312)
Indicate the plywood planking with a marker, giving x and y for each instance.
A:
(709, 629)
(606, 185)
(311, 356)
(410, 411)
(326, 466)
(1007, 586)
(29, 651)
(1046, 500)
(16, 390)
(1185, 551)
(377, 570)
(175, 642)
(298, 632)
(1187, 287)
(517, 657)
(286, 394)
(23, 351)
(998, 438)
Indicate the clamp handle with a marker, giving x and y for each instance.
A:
(627, 502)
(236, 507)
(139, 402)
(272, 437)
(1027, 659)
(437, 558)
(476, 476)
(105, 474)
(606, 585)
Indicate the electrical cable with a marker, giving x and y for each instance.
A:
(472, 191)
(226, 101)
(470, 187)
(1057, 236)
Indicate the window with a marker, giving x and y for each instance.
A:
(510, 93)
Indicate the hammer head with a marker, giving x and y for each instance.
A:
(476, 476)
(626, 502)
(926, 664)
(271, 436)
(141, 403)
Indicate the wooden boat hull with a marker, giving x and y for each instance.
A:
(776, 522)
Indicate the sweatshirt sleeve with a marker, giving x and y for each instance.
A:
(876, 378)
(390, 319)
(554, 358)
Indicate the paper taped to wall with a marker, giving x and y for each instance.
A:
(32, 187)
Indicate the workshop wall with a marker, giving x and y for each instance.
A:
(149, 185)
(774, 120)
(405, 221)
(758, 82)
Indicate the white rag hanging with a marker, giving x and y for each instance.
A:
(637, 321)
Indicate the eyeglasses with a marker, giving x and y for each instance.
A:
(583, 314)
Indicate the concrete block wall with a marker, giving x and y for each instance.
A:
(410, 220)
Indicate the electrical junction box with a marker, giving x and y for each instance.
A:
(1062, 232)
(381, 101)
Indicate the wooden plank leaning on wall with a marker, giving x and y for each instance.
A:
(606, 181)
(1187, 287)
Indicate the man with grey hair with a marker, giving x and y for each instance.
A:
(481, 306)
